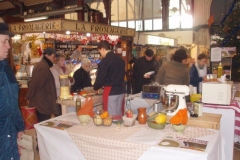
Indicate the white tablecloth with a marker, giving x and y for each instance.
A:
(114, 142)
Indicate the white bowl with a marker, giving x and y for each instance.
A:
(179, 128)
(84, 119)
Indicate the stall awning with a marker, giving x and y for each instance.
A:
(63, 25)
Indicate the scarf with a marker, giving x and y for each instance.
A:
(201, 72)
(50, 64)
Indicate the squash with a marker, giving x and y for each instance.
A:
(107, 121)
(181, 117)
(97, 120)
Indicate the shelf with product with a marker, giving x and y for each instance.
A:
(223, 55)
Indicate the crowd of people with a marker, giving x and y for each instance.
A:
(44, 88)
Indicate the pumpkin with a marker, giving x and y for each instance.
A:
(97, 120)
(107, 121)
(104, 114)
(181, 117)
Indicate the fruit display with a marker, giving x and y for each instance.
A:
(181, 117)
(157, 121)
(102, 119)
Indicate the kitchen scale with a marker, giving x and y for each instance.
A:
(151, 91)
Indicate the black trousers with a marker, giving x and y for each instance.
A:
(42, 117)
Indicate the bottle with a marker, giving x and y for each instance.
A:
(78, 103)
(220, 70)
(198, 108)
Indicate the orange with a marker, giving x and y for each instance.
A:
(104, 114)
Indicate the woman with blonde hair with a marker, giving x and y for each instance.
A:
(59, 69)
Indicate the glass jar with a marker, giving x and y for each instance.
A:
(64, 87)
(64, 80)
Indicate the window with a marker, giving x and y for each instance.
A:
(133, 14)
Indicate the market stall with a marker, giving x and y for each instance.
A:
(31, 38)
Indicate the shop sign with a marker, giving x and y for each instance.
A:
(69, 25)
(155, 40)
(38, 26)
(96, 28)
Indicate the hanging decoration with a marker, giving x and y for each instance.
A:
(85, 39)
(230, 27)
(35, 48)
(230, 11)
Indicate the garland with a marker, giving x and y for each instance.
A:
(229, 11)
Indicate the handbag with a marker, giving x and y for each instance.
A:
(26, 147)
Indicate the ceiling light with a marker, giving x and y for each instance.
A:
(35, 19)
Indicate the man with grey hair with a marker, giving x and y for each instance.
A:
(42, 90)
(11, 121)
(82, 76)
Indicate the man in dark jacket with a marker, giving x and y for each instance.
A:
(110, 75)
(143, 65)
(198, 71)
(11, 121)
(42, 92)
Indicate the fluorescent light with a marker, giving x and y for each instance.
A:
(35, 19)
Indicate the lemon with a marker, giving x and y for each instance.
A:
(161, 118)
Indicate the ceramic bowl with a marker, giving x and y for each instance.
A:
(179, 128)
(84, 119)
(152, 124)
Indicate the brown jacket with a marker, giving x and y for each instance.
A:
(42, 90)
(173, 72)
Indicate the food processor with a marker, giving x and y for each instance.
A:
(174, 98)
(64, 88)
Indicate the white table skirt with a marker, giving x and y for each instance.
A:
(58, 144)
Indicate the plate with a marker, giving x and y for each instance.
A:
(150, 73)
(169, 143)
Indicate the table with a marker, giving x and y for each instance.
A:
(119, 142)
(207, 120)
(227, 125)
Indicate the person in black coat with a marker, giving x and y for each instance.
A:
(143, 65)
(81, 76)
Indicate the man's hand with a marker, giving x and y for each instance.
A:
(19, 136)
